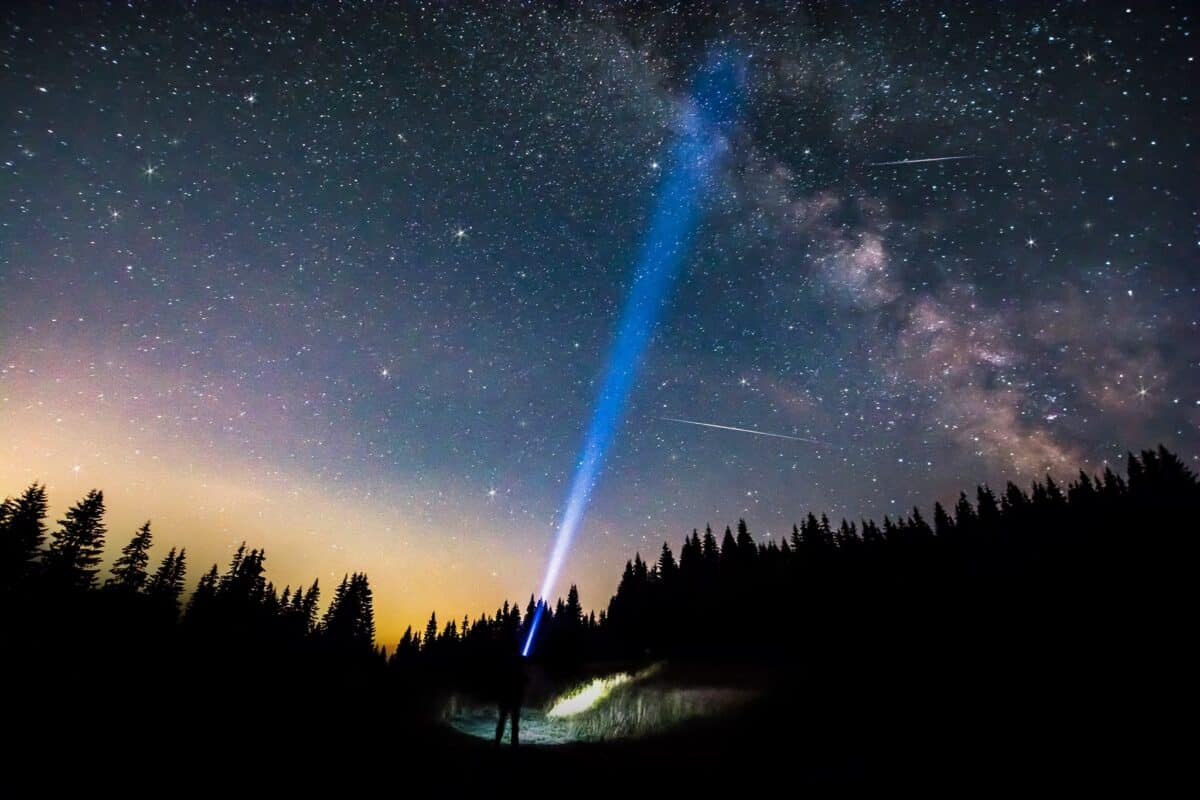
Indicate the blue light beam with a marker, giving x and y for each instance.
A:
(710, 112)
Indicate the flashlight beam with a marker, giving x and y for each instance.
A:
(712, 107)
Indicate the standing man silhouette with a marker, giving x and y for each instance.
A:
(512, 680)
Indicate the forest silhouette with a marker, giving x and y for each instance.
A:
(1053, 616)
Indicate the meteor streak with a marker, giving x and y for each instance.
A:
(917, 161)
(712, 108)
(744, 430)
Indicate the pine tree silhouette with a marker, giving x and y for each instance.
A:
(76, 547)
(667, 569)
(572, 613)
(711, 552)
(307, 607)
(165, 586)
(729, 551)
(349, 622)
(22, 533)
(129, 571)
(429, 640)
(204, 598)
(943, 526)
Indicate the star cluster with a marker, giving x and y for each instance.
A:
(341, 279)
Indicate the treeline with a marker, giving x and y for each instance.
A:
(1020, 557)
(992, 563)
(468, 654)
(1054, 617)
(69, 565)
(53, 578)
(997, 569)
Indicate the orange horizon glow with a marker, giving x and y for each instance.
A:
(203, 496)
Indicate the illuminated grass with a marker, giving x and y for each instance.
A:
(631, 711)
(587, 696)
(615, 706)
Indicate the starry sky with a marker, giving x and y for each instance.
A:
(342, 280)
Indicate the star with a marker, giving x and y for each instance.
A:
(245, 305)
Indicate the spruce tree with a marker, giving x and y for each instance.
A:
(847, 536)
(331, 618)
(987, 509)
(244, 583)
(165, 586)
(667, 568)
(1014, 501)
(129, 570)
(943, 526)
(1054, 495)
(810, 534)
(709, 547)
(964, 514)
(826, 533)
(75, 548)
(641, 572)
(691, 554)
(364, 621)
(431, 632)
(871, 534)
(270, 600)
(204, 596)
(22, 532)
(745, 542)
(917, 526)
(406, 642)
(307, 607)
(728, 549)
(573, 610)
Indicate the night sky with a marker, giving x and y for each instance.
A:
(343, 281)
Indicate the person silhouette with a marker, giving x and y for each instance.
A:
(512, 680)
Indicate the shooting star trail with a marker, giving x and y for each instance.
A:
(917, 161)
(745, 430)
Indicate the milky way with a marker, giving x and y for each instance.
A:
(342, 282)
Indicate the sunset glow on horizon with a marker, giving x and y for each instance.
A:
(210, 498)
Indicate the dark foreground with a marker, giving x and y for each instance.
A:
(1037, 642)
(899, 727)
